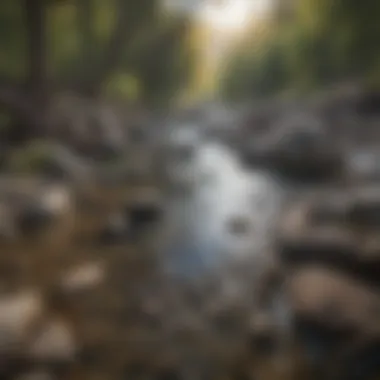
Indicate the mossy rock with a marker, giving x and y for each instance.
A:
(30, 159)
(47, 159)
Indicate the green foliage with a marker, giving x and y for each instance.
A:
(162, 59)
(325, 41)
(257, 71)
(156, 56)
(12, 39)
(124, 86)
(30, 159)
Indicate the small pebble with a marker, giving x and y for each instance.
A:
(238, 225)
(57, 199)
(84, 277)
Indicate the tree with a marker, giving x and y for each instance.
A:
(312, 44)
(52, 46)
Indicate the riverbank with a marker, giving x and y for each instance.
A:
(171, 264)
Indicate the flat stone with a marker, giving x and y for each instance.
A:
(298, 148)
(83, 277)
(323, 244)
(333, 299)
(55, 342)
(321, 230)
(18, 313)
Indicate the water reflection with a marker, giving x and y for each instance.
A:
(222, 189)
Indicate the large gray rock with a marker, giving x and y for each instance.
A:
(333, 312)
(32, 207)
(51, 160)
(363, 165)
(336, 229)
(299, 148)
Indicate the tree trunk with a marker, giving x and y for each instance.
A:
(114, 51)
(85, 22)
(31, 103)
(35, 20)
(14, 98)
(37, 83)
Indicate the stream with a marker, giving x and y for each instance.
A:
(220, 189)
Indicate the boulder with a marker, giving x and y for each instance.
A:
(333, 300)
(308, 231)
(333, 315)
(297, 148)
(49, 159)
(321, 230)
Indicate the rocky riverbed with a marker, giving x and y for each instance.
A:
(178, 260)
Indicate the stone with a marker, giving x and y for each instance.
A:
(363, 165)
(57, 199)
(54, 343)
(34, 219)
(364, 210)
(116, 230)
(298, 149)
(51, 159)
(263, 334)
(83, 277)
(323, 245)
(144, 209)
(18, 314)
(330, 310)
(333, 300)
(329, 208)
(238, 225)
(33, 207)
(308, 232)
(322, 231)
(38, 212)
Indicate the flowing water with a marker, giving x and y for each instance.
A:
(221, 189)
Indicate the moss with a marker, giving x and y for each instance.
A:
(31, 158)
